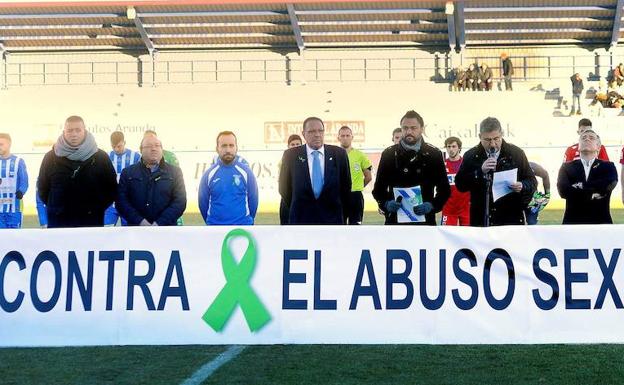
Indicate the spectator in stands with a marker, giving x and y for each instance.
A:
(151, 192)
(397, 134)
(314, 179)
(472, 78)
(411, 163)
(617, 76)
(539, 200)
(586, 184)
(508, 71)
(169, 158)
(13, 185)
(294, 140)
(577, 90)
(77, 181)
(494, 154)
(360, 168)
(572, 152)
(459, 79)
(456, 211)
(485, 78)
(120, 157)
(228, 192)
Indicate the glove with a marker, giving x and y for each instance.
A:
(19, 195)
(539, 201)
(392, 206)
(423, 209)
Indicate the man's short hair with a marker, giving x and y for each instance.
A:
(5, 136)
(490, 124)
(294, 137)
(453, 139)
(224, 133)
(311, 118)
(345, 128)
(74, 119)
(413, 115)
(397, 130)
(116, 138)
(593, 132)
(150, 132)
(584, 123)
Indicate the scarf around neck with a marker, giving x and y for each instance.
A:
(81, 153)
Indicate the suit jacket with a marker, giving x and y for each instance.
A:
(580, 207)
(295, 187)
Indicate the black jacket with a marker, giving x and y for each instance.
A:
(577, 85)
(399, 167)
(507, 67)
(76, 193)
(507, 210)
(157, 197)
(485, 75)
(580, 207)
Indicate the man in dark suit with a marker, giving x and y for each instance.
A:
(314, 180)
(586, 184)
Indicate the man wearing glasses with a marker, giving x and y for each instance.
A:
(314, 180)
(492, 155)
(151, 192)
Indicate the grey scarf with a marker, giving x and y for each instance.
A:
(413, 147)
(81, 153)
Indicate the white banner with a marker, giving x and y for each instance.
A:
(305, 284)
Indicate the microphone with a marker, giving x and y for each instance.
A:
(491, 154)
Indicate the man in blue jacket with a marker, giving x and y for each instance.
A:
(228, 192)
(151, 192)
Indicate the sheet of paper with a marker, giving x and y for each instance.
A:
(502, 180)
(412, 196)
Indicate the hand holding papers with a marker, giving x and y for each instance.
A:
(411, 197)
(502, 183)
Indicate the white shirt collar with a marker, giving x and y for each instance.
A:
(309, 150)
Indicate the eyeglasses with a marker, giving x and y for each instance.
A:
(151, 146)
(490, 140)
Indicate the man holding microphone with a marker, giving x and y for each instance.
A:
(476, 175)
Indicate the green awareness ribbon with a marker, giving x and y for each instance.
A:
(237, 289)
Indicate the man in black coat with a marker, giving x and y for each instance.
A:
(586, 184)
(480, 162)
(508, 71)
(410, 163)
(77, 181)
(314, 180)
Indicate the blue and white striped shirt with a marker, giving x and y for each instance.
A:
(124, 160)
(13, 178)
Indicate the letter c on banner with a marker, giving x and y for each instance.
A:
(12, 256)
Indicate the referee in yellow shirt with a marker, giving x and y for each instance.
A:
(360, 175)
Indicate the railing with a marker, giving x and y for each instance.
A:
(436, 67)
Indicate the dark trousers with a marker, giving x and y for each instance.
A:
(284, 212)
(508, 83)
(356, 209)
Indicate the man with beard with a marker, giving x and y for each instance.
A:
(412, 164)
(77, 181)
(360, 167)
(228, 192)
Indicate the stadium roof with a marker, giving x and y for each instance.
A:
(297, 24)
